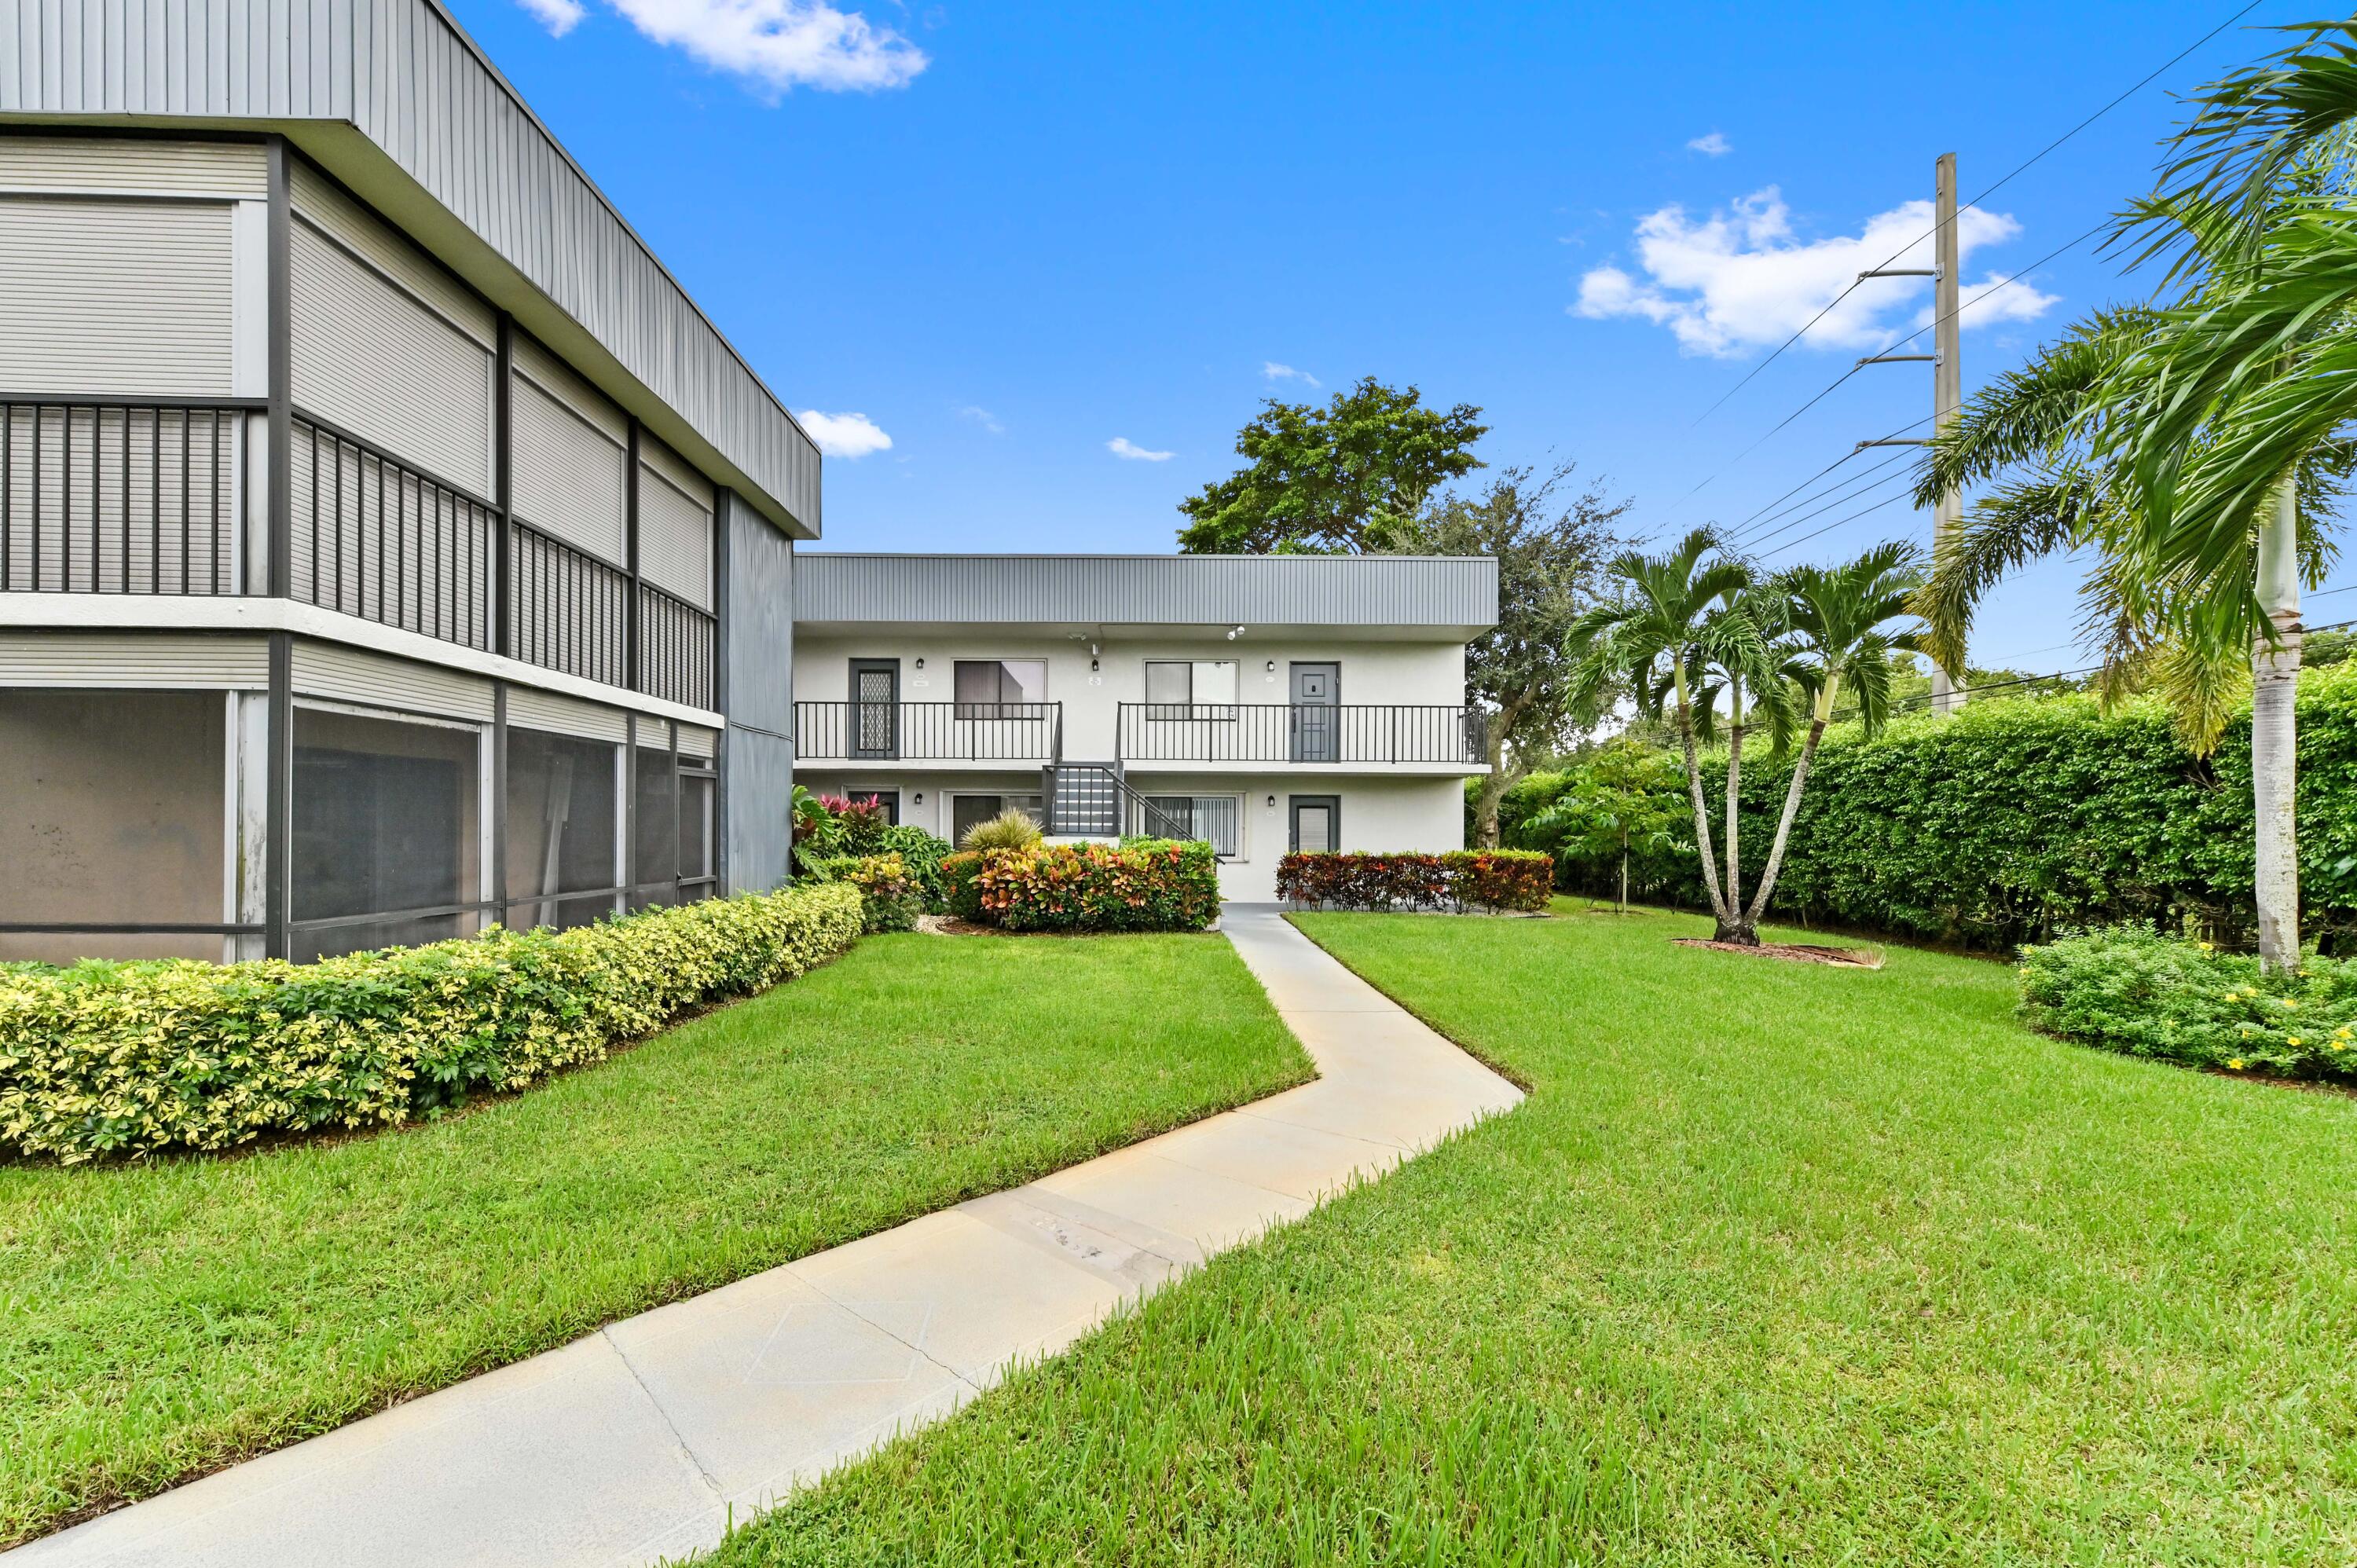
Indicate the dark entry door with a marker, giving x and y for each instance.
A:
(876, 707)
(1316, 691)
(1316, 823)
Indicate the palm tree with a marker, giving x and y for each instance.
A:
(1838, 616)
(2196, 448)
(2214, 419)
(1685, 629)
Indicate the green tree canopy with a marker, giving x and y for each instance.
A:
(1318, 479)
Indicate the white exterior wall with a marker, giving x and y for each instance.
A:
(1424, 813)
(1373, 671)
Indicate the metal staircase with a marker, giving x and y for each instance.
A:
(1093, 800)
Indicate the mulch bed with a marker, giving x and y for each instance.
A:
(1792, 953)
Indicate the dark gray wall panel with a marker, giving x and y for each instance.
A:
(1168, 590)
(762, 566)
(758, 776)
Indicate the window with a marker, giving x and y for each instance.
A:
(889, 799)
(561, 803)
(1212, 818)
(967, 811)
(1191, 689)
(987, 688)
(1316, 820)
(384, 826)
(112, 816)
(698, 849)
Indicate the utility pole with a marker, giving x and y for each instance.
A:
(1947, 378)
(1947, 390)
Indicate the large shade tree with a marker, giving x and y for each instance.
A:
(1320, 478)
(1550, 538)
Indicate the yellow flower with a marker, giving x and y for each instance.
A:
(2206, 948)
(2289, 1003)
(2291, 1039)
(2235, 1062)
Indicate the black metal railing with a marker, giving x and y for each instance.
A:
(1301, 732)
(567, 610)
(1092, 799)
(928, 732)
(678, 648)
(373, 537)
(121, 496)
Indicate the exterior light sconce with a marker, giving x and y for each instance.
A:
(920, 664)
(1272, 802)
(1272, 666)
(1093, 664)
(918, 799)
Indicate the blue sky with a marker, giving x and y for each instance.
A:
(1010, 236)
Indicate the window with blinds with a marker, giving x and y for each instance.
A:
(1214, 819)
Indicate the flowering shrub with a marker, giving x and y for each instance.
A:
(962, 883)
(1155, 885)
(1455, 880)
(2127, 988)
(891, 894)
(923, 853)
(112, 1059)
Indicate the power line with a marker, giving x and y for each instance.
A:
(1976, 201)
(1906, 478)
(1735, 535)
(1796, 543)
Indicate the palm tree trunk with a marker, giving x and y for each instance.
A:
(2275, 738)
(1733, 927)
(1701, 807)
(1791, 808)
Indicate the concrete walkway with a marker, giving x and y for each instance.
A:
(645, 1439)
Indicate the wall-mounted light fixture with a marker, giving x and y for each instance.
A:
(1236, 633)
(920, 664)
(1272, 666)
(918, 799)
(1092, 664)
(1272, 802)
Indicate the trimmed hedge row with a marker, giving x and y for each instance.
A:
(122, 1058)
(2130, 989)
(1455, 880)
(889, 885)
(1150, 885)
(2018, 819)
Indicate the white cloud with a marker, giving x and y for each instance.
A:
(982, 417)
(1713, 146)
(845, 434)
(1741, 279)
(1122, 446)
(779, 44)
(1271, 371)
(559, 16)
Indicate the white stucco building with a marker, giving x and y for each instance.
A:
(1267, 704)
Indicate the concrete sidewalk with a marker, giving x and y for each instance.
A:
(645, 1439)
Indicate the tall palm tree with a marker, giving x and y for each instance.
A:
(2214, 419)
(1685, 630)
(1838, 618)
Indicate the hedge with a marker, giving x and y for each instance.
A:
(892, 894)
(2133, 990)
(2019, 819)
(126, 1058)
(1151, 885)
(1454, 880)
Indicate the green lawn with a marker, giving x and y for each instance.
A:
(1778, 1264)
(159, 1319)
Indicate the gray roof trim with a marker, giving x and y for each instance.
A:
(1453, 593)
(406, 77)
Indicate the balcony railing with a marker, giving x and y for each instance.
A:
(928, 732)
(117, 496)
(1301, 732)
(148, 496)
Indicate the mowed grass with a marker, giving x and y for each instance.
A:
(159, 1319)
(1778, 1264)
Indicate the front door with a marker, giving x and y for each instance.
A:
(1316, 823)
(876, 707)
(1316, 691)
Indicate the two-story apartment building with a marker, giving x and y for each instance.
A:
(1265, 703)
(388, 545)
